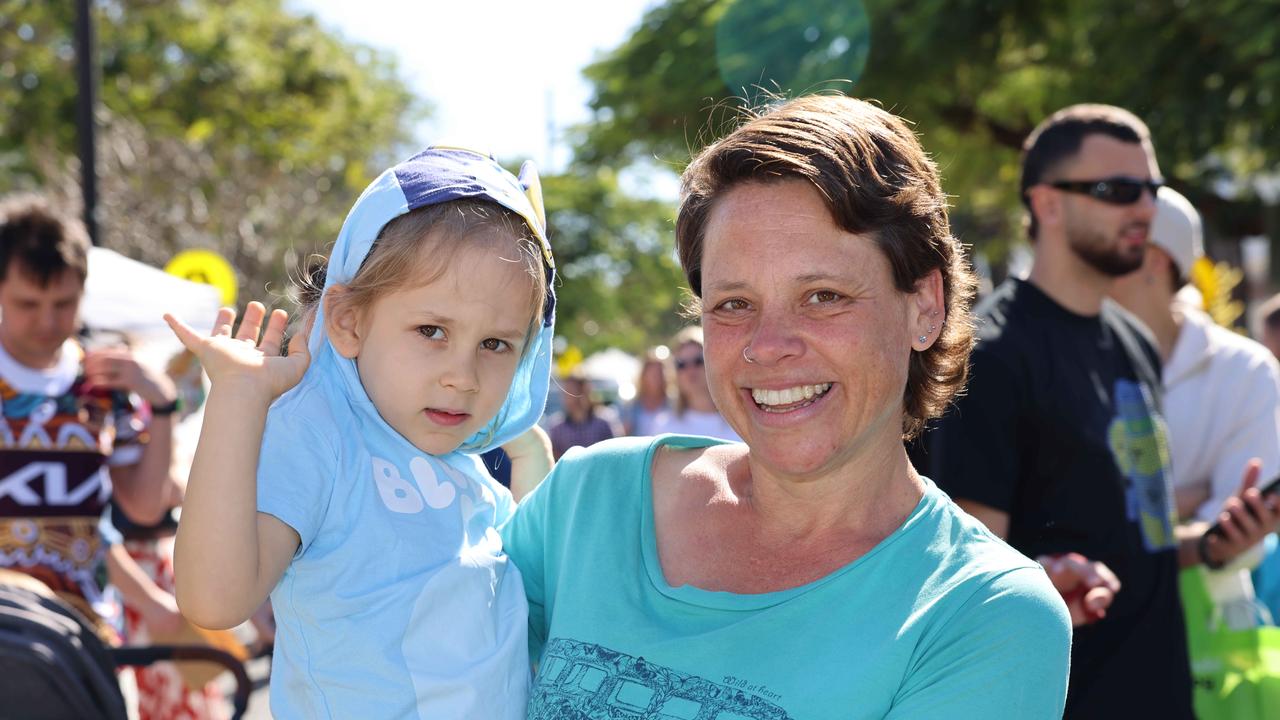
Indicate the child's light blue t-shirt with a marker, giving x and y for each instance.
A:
(399, 602)
(940, 620)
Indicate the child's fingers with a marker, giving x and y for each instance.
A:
(222, 324)
(189, 338)
(251, 323)
(274, 334)
(298, 343)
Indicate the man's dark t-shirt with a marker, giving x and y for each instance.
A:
(1060, 429)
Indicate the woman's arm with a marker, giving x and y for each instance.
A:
(158, 610)
(1005, 654)
(228, 556)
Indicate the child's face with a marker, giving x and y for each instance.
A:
(437, 360)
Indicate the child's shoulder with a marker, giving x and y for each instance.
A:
(307, 410)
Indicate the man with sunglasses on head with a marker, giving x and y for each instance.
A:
(1058, 446)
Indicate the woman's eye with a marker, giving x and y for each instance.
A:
(823, 296)
(495, 345)
(733, 305)
(431, 332)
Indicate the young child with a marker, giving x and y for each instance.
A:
(371, 521)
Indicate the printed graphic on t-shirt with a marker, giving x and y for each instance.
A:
(456, 603)
(583, 681)
(54, 484)
(1139, 444)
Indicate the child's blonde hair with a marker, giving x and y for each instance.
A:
(416, 248)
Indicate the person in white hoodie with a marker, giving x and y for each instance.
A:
(1221, 395)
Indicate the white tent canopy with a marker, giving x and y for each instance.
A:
(131, 297)
(617, 366)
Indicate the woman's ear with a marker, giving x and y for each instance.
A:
(928, 308)
(342, 321)
(928, 296)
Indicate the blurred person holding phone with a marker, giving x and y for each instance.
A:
(1221, 403)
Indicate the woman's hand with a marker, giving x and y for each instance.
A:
(160, 615)
(243, 358)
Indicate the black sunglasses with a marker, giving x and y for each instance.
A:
(691, 362)
(1116, 190)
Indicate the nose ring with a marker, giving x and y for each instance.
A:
(747, 357)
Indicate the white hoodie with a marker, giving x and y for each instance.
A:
(1222, 404)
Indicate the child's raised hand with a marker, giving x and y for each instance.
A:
(244, 359)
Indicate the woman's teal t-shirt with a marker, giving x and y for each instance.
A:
(941, 619)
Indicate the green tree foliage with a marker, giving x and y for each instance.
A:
(974, 75)
(620, 283)
(236, 126)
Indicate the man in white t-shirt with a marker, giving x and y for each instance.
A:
(72, 432)
(1221, 393)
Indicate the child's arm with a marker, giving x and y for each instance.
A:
(531, 460)
(228, 556)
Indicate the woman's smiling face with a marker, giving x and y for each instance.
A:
(815, 307)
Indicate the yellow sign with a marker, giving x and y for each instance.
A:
(568, 360)
(208, 267)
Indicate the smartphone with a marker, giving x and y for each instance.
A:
(1271, 488)
(103, 340)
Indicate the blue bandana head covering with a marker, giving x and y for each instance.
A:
(433, 176)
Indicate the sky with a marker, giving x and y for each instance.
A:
(501, 75)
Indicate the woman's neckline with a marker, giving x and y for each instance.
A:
(726, 600)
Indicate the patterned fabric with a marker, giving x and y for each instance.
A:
(162, 694)
(57, 439)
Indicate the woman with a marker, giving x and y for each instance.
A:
(694, 412)
(651, 395)
(810, 572)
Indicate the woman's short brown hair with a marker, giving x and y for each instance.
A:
(876, 179)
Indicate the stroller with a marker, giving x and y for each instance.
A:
(54, 667)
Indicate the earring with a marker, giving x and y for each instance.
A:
(925, 338)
